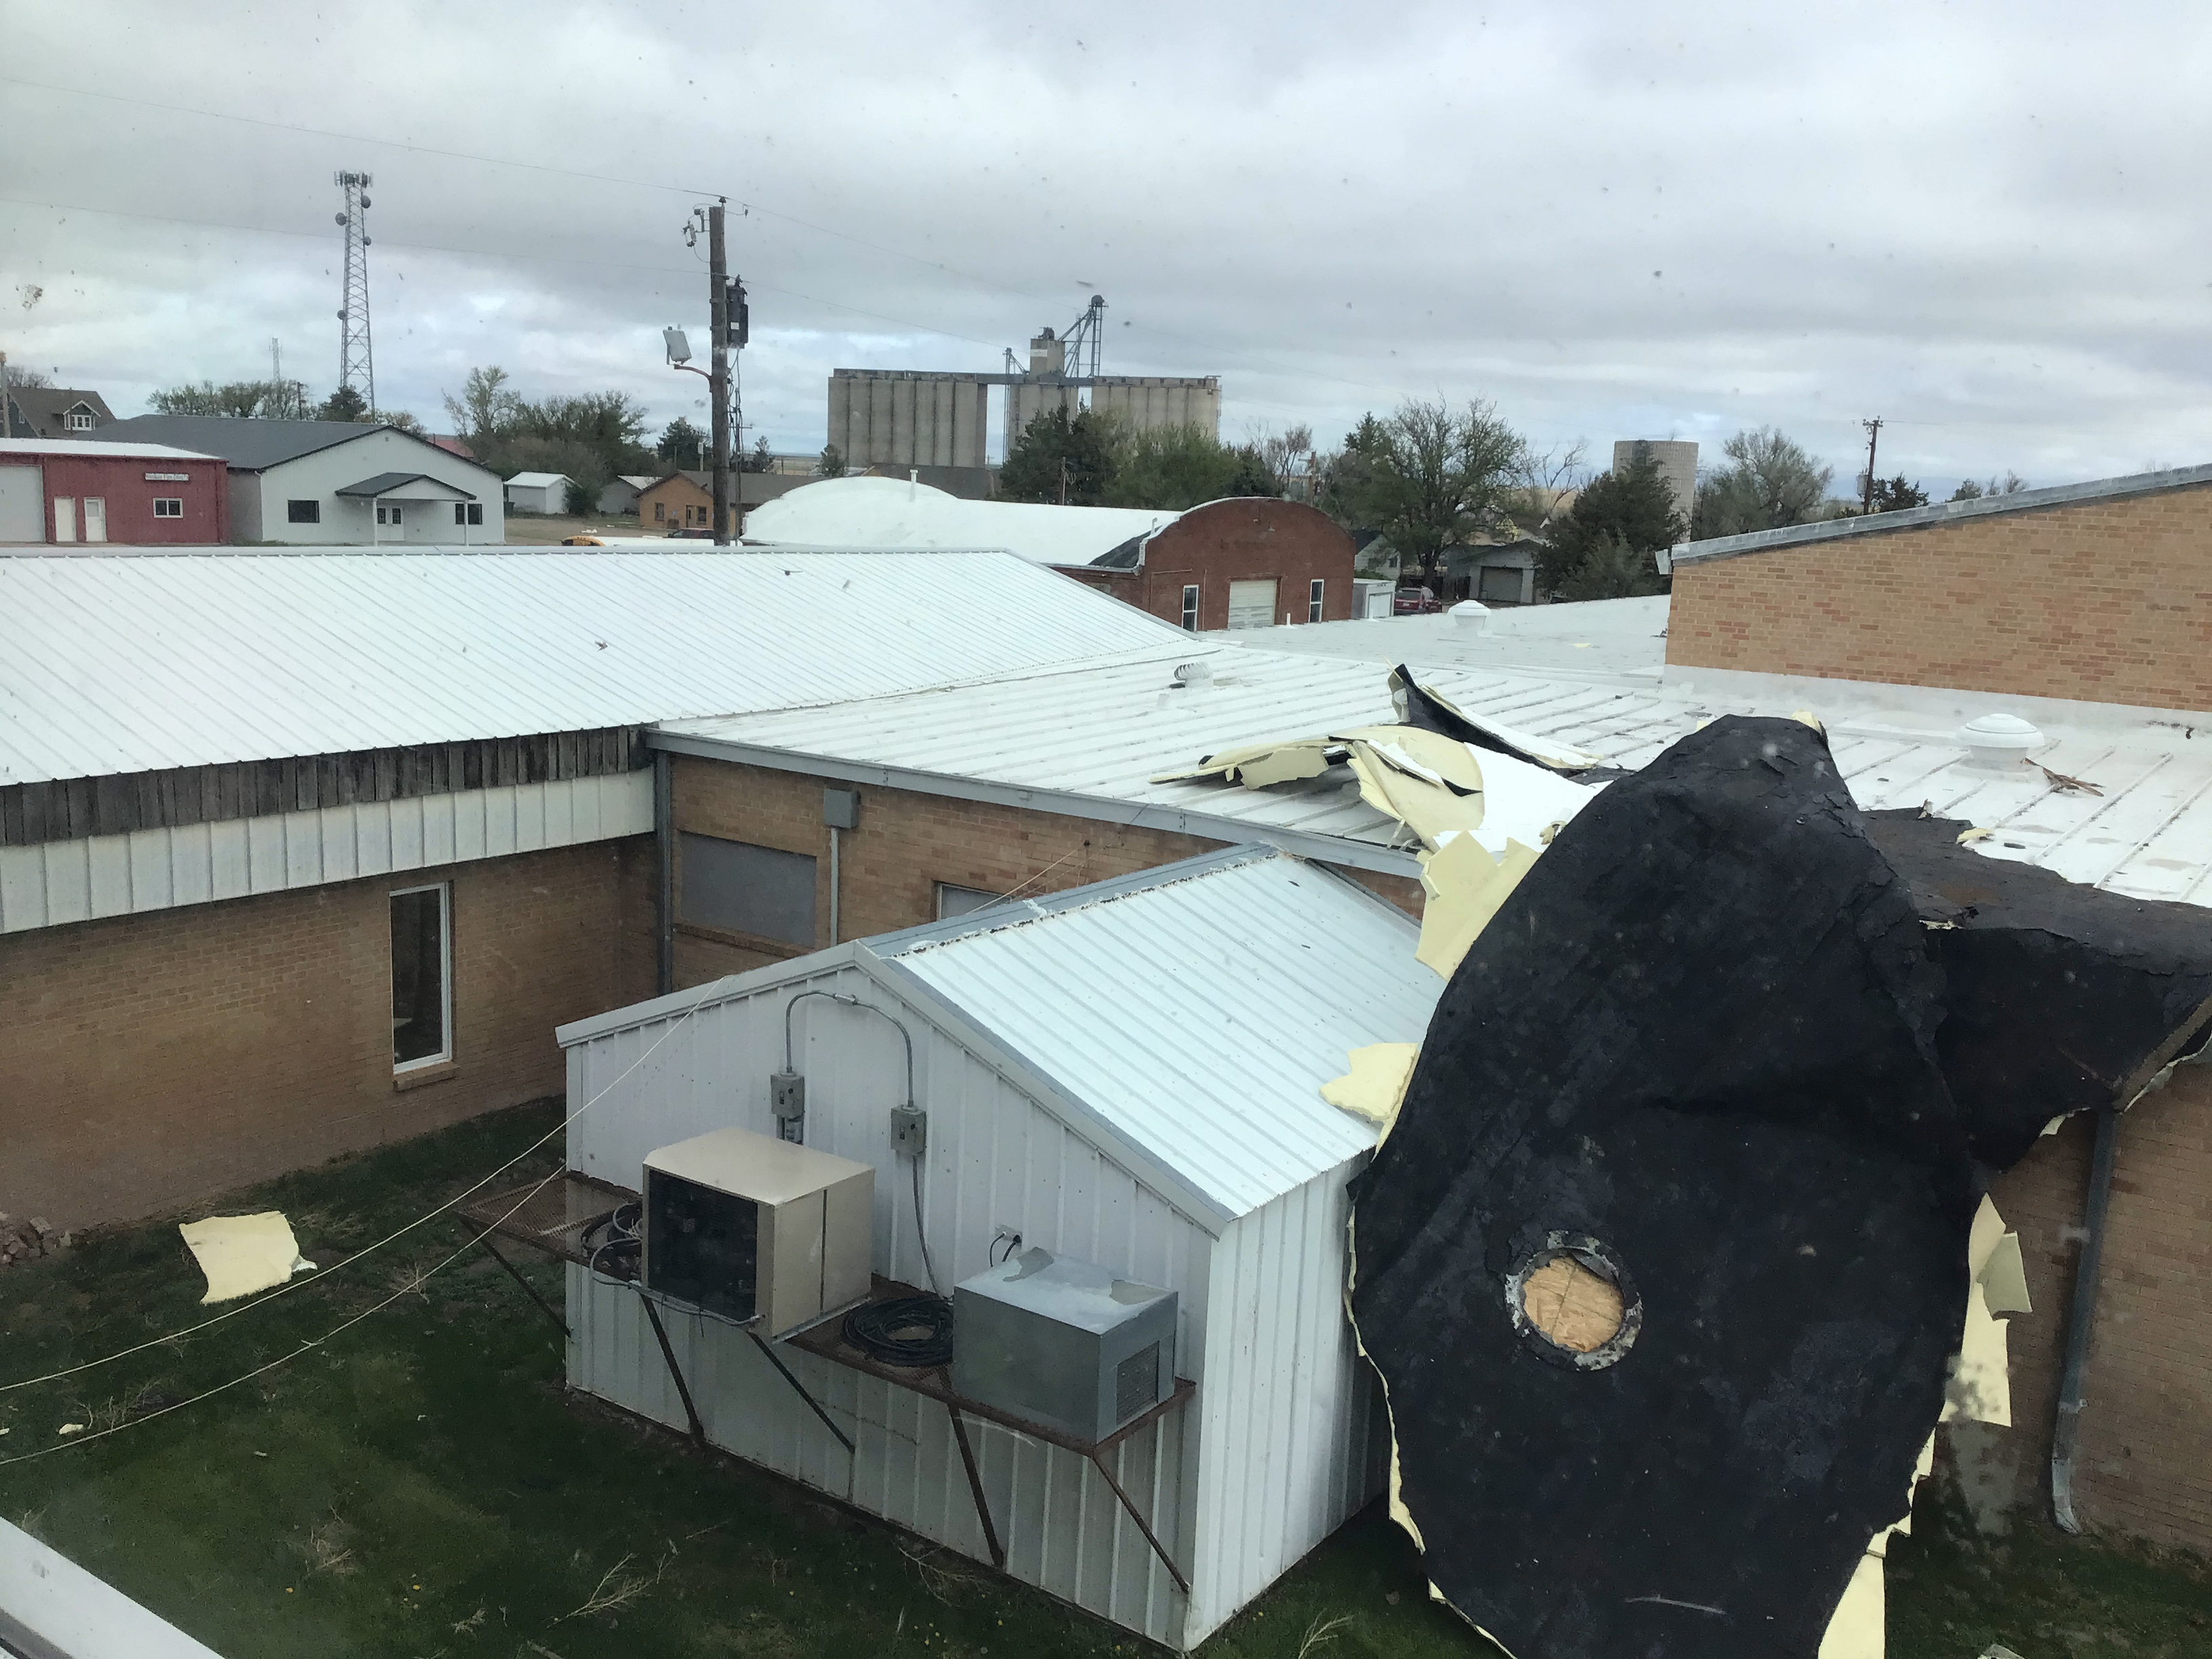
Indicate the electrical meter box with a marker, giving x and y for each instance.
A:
(1063, 1343)
(749, 1226)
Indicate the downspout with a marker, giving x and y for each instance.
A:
(833, 883)
(2065, 1439)
(664, 850)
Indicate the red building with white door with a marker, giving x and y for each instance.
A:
(58, 491)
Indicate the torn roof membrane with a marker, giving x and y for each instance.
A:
(1709, 1043)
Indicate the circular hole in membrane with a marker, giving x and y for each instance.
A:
(1572, 1304)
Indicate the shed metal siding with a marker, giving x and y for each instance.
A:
(994, 1158)
(55, 883)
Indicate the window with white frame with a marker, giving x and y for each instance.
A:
(1190, 608)
(1313, 601)
(422, 976)
(468, 512)
(168, 507)
(382, 510)
(78, 420)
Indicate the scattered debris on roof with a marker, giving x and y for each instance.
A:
(243, 1254)
(1747, 1058)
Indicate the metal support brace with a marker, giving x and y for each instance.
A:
(545, 1307)
(683, 1388)
(1158, 1548)
(799, 1389)
(975, 1487)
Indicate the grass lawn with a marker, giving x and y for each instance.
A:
(421, 1484)
(531, 530)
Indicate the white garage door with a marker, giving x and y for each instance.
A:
(22, 504)
(1252, 605)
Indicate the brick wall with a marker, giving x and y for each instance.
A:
(907, 843)
(155, 1060)
(121, 483)
(2108, 601)
(2144, 1467)
(1245, 539)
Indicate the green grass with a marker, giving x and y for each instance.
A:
(421, 1484)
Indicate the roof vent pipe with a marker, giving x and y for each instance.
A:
(1999, 743)
(1192, 675)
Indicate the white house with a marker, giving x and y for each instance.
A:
(538, 492)
(334, 483)
(1127, 1073)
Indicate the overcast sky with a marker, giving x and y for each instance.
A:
(1985, 223)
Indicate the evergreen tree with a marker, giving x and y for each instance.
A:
(682, 446)
(1060, 456)
(832, 463)
(1632, 508)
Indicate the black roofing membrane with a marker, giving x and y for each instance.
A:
(1711, 1035)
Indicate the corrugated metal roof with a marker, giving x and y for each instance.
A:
(88, 447)
(1198, 1009)
(1105, 730)
(1101, 731)
(249, 444)
(140, 659)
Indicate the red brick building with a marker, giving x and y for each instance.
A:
(63, 490)
(1245, 563)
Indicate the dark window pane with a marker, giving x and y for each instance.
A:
(744, 889)
(418, 975)
(304, 512)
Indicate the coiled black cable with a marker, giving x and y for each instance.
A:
(912, 1331)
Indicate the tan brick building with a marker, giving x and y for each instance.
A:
(2098, 592)
(1247, 562)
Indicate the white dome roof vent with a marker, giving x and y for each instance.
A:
(1470, 615)
(1999, 743)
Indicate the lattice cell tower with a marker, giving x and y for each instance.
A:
(356, 362)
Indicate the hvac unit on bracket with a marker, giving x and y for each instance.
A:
(755, 1229)
(1063, 1343)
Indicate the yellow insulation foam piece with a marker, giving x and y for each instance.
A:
(1375, 1084)
(1465, 888)
(243, 1254)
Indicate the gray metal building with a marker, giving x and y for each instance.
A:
(1127, 1073)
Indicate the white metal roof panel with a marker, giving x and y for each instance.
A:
(140, 659)
(889, 513)
(1105, 729)
(86, 447)
(1199, 1013)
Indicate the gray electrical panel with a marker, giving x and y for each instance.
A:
(1065, 1344)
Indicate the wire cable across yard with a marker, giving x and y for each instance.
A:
(366, 1251)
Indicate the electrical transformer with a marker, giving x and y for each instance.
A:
(1062, 1343)
(751, 1227)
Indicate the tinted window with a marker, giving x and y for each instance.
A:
(744, 889)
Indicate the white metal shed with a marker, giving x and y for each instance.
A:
(1128, 1074)
(538, 492)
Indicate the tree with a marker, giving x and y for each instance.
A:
(239, 399)
(590, 437)
(1544, 478)
(1632, 509)
(2012, 483)
(759, 458)
(1894, 495)
(1429, 477)
(486, 407)
(682, 446)
(1770, 481)
(831, 464)
(1059, 456)
(581, 499)
(1177, 467)
(344, 404)
(1289, 457)
(1610, 569)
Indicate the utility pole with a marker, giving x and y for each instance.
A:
(1874, 435)
(718, 380)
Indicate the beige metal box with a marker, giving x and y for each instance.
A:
(753, 1228)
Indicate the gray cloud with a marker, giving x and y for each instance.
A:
(1977, 222)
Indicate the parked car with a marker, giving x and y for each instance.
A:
(1414, 602)
(697, 533)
